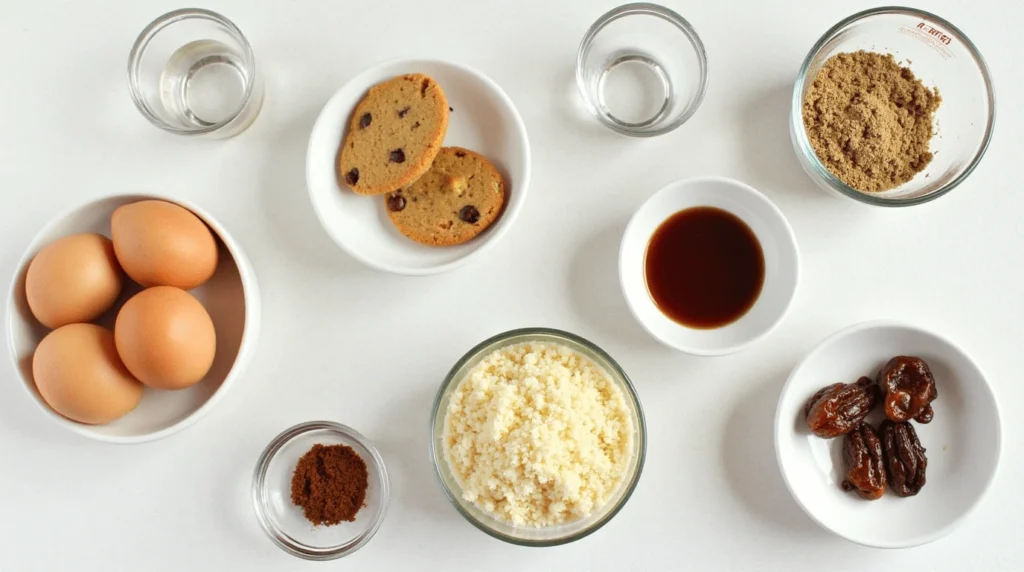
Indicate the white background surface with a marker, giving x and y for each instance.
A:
(345, 343)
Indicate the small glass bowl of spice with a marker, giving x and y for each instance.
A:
(892, 107)
(320, 490)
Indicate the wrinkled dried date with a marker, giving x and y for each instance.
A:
(893, 456)
(909, 389)
(926, 415)
(864, 463)
(839, 408)
(905, 463)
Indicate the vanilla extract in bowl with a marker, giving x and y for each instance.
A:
(704, 267)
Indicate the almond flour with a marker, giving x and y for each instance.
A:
(538, 435)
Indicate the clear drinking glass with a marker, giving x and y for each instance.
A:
(192, 72)
(642, 70)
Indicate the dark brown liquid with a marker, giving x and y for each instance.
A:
(704, 267)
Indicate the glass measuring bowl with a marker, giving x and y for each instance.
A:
(941, 56)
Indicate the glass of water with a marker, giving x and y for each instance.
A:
(192, 72)
(642, 70)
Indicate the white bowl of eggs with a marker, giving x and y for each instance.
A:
(131, 316)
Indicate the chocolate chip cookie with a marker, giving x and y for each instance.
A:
(458, 198)
(394, 134)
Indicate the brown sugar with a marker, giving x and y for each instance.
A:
(869, 120)
(330, 483)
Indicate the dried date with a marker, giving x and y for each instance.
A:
(909, 389)
(905, 462)
(864, 463)
(839, 408)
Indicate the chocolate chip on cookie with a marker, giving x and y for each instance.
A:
(352, 177)
(396, 202)
(469, 214)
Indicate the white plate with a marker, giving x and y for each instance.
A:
(781, 259)
(963, 441)
(231, 297)
(484, 120)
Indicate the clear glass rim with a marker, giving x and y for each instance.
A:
(261, 502)
(640, 443)
(804, 144)
(151, 30)
(648, 9)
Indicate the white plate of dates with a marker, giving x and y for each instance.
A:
(888, 435)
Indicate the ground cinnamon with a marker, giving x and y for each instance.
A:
(330, 483)
(870, 120)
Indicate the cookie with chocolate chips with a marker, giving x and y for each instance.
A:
(393, 135)
(458, 198)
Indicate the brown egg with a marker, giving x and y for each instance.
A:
(162, 244)
(79, 374)
(74, 279)
(165, 337)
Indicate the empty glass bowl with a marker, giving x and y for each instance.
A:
(941, 56)
(285, 523)
(525, 535)
(192, 72)
(642, 70)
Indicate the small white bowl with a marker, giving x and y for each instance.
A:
(231, 297)
(781, 258)
(963, 441)
(484, 120)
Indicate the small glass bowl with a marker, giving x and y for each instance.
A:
(192, 72)
(285, 523)
(532, 536)
(642, 70)
(941, 56)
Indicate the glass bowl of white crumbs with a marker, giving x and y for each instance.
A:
(537, 437)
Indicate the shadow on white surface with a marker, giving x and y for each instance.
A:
(236, 513)
(98, 78)
(770, 163)
(404, 447)
(290, 216)
(595, 292)
(19, 416)
(748, 456)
